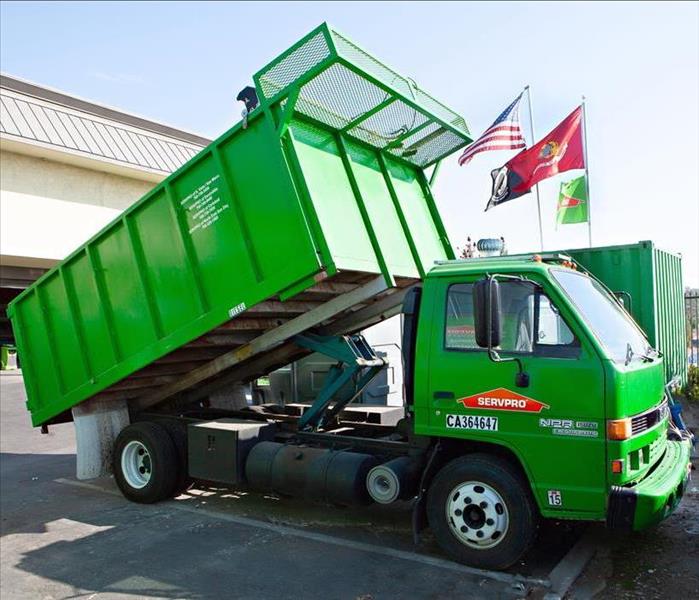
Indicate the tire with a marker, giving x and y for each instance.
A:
(178, 433)
(498, 520)
(146, 464)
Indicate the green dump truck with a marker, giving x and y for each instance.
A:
(529, 391)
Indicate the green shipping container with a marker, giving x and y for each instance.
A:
(649, 283)
(314, 211)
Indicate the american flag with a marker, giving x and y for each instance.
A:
(504, 134)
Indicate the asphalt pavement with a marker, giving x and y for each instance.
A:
(62, 538)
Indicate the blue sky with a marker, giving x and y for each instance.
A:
(637, 63)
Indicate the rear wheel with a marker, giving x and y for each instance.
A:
(178, 433)
(481, 511)
(146, 464)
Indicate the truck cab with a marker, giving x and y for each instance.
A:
(535, 362)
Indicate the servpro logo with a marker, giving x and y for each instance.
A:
(503, 399)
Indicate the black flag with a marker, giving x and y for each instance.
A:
(504, 181)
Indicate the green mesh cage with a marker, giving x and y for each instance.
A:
(334, 82)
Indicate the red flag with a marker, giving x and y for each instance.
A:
(561, 150)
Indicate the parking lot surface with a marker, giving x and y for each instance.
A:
(62, 538)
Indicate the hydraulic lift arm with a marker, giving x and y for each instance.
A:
(356, 362)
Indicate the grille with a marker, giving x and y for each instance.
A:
(648, 419)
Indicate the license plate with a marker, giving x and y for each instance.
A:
(477, 422)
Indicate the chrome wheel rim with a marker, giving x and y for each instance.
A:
(136, 464)
(477, 515)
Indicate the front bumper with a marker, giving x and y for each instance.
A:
(654, 497)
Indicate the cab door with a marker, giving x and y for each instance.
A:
(555, 425)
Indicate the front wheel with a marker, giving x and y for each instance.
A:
(481, 511)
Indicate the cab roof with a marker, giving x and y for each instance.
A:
(514, 262)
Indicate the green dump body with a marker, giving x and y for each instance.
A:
(320, 191)
(649, 283)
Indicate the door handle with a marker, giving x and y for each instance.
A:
(444, 395)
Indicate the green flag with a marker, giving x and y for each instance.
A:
(572, 202)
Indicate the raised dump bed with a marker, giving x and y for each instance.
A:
(314, 213)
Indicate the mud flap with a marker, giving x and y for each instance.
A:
(419, 519)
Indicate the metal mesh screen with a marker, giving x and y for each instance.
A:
(439, 109)
(416, 137)
(430, 148)
(294, 65)
(337, 96)
(344, 97)
(371, 65)
(402, 84)
(390, 123)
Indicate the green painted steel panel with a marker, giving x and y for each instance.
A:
(332, 198)
(273, 203)
(649, 282)
(412, 199)
(371, 182)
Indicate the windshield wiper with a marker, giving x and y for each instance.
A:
(651, 354)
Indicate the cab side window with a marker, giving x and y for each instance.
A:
(531, 323)
(460, 333)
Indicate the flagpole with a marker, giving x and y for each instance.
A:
(536, 187)
(587, 176)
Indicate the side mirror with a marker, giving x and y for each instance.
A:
(486, 312)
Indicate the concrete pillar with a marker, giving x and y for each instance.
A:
(97, 425)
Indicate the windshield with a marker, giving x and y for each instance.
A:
(611, 325)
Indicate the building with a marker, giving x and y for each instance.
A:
(67, 168)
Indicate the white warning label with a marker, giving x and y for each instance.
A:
(204, 205)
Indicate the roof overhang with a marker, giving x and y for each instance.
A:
(37, 149)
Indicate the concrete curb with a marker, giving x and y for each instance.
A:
(564, 574)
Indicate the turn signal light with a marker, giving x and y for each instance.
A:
(619, 429)
(618, 466)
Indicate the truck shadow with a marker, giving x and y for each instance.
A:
(88, 537)
(386, 525)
